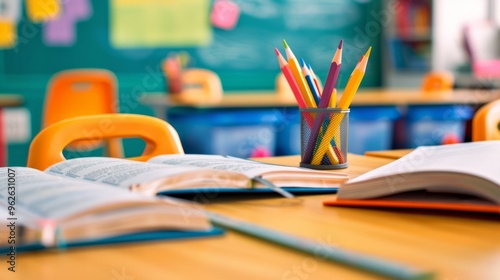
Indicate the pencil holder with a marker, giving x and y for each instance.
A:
(323, 138)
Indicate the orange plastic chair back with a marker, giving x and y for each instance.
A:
(74, 93)
(199, 86)
(486, 122)
(437, 81)
(160, 137)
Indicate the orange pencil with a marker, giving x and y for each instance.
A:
(297, 73)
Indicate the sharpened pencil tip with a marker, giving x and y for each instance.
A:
(340, 44)
(277, 51)
(285, 44)
(302, 62)
(367, 54)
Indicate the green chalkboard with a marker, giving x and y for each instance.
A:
(243, 57)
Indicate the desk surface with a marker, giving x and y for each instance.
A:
(392, 154)
(364, 97)
(8, 100)
(455, 247)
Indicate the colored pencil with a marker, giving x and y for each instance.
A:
(285, 69)
(346, 99)
(331, 80)
(316, 80)
(294, 66)
(310, 81)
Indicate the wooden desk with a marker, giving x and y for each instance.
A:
(391, 154)
(454, 247)
(365, 97)
(10, 100)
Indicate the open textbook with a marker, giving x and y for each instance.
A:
(461, 177)
(187, 173)
(41, 210)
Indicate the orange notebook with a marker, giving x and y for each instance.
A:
(458, 177)
(413, 200)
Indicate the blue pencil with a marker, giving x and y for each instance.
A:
(310, 81)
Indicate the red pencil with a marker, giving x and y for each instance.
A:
(287, 72)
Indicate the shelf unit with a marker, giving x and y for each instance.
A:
(408, 41)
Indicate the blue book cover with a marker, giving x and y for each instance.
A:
(150, 236)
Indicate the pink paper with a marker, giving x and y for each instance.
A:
(225, 14)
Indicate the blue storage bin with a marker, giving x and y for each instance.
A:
(288, 131)
(371, 128)
(436, 124)
(240, 133)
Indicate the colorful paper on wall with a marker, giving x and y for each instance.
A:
(159, 23)
(8, 34)
(42, 10)
(225, 14)
(62, 30)
(10, 10)
(10, 13)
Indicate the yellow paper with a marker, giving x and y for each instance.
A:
(159, 23)
(8, 34)
(42, 10)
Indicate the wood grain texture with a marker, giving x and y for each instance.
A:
(391, 154)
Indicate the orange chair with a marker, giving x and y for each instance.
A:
(74, 93)
(160, 137)
(199, 86)
(486, 122)
(437, 82)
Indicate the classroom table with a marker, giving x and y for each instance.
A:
(10, 100)
(392, 154)
(161, 101)
(6, 100)
(453, 246)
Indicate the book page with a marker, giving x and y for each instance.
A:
(467, 168)
(477, 158)
(249, 168)
(114, 171)
(39, 195)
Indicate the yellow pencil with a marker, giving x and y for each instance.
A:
(297, 73)
(346, 99)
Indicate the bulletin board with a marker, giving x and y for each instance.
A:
(243, 56)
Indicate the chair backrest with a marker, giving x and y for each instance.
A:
(437, 81)
(81, 92)
(160, 137)
(486, 122)
(200, 85)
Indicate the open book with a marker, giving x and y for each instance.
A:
(170, 174)
(461, 177)
(40, 210)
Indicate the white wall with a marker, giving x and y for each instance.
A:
(449, 16)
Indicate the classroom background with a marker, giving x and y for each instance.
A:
(235, 39)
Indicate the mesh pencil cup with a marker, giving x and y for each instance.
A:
(323, 138)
